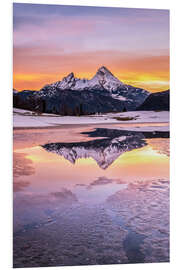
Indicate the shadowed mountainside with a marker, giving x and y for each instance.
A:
(72, 96)
(156, 101)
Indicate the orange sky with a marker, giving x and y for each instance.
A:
(151, 73)
(52, 41)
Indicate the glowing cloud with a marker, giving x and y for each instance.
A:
(51, 41)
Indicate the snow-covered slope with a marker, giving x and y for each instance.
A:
(103, 79)
(144, 121)
(103, 93)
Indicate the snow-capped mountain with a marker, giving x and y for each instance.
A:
(103, 79)
(72, 96)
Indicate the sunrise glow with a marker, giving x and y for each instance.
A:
(52, 41)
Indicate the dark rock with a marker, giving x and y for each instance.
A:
(156, 101)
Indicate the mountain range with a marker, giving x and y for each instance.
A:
(73, 96)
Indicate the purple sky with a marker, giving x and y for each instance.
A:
(52, 40)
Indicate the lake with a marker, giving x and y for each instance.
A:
(90, 195)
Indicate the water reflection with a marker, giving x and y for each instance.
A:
(104, 151)
(92, 198)
(64, 195)
(22, 165)
(98, 190)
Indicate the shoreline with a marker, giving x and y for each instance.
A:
(137, 120)
(123, 125)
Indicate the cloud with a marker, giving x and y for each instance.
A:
(51, 41)
(34, 70)
(85, 27)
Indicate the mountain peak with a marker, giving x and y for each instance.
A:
(67, 82)
(106, 79)
(69, 77)
(102, 80)
(103, 70)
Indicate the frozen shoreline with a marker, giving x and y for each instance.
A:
(148, 120)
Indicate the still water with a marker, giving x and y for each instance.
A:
(88, 195)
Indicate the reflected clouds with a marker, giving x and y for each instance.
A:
(20, 185)
(22, 166)
(160, 145)
(98, 190)
(64, 196)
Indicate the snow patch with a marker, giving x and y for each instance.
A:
(147, 120)
(103, 79)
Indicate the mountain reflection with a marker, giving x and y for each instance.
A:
(103, 151)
